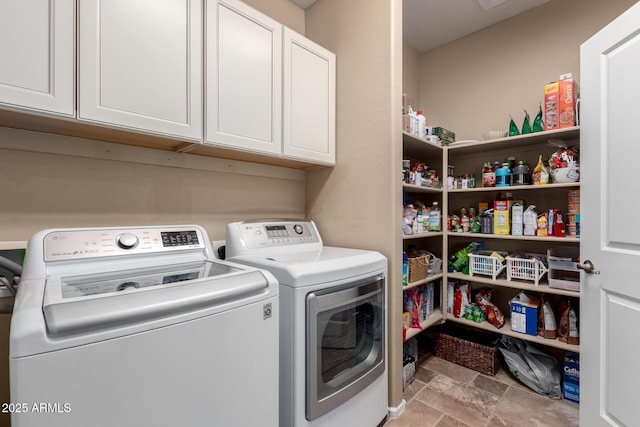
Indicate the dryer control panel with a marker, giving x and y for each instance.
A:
(249, 235)
(91, 243)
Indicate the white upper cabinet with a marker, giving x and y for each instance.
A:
(140, 65)
(309, 99)
(243, 78)
(37, 39)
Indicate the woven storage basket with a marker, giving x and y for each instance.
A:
(418, 267)
(472, 355)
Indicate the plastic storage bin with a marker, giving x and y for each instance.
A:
(483, 263)
(563, 267)
(532, 268)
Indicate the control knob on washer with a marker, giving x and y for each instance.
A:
(127, 240)
(298, 228)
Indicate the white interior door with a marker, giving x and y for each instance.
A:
(610, 301)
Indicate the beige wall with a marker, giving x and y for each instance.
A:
(283, 11)
(472, 85)
(411, 75)
(357, 203)
(114, 184)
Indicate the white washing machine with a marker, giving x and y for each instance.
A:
(333, 367)
(141, 327)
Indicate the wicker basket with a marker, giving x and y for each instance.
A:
(418, 267)
(479, 357)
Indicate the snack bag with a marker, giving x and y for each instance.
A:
(568, 327)
(526, 125)
(540, 173)
(547, 326)
(461, 299)
(491, 312)
(410, 302)
(543, 225)
(513, 129)
(538, 125)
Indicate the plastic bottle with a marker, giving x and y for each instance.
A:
(406, 170)
(464, 221)
(422, 124)
(420, 220)
(434, 217)
(412, 120)
(521, 174)
(503, 176)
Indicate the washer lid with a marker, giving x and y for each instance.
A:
(89, 302)
(328, 264)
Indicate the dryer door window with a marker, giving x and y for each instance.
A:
(345, 343)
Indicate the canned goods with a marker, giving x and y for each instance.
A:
(478, 315)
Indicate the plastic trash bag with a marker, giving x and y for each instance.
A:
(534, 368)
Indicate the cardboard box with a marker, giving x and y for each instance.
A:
(551, 100)
(571, 376)
(486, 223)
(530, 222)
(517, 219)
(444, 133)
(524, 313)
(560, 103)
(566, 103)
(446, 136)
(427, 295)
(501, 217)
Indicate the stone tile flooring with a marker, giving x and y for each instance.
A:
(448, 395)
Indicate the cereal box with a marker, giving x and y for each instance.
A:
(566, 103)
(551, 99)
(560, 103)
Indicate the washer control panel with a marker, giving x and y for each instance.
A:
(269, 234)
(91, 243)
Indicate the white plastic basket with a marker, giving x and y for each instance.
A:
(526, 268)
(484, 264)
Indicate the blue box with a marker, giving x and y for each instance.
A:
(524, 313)
(571, 376)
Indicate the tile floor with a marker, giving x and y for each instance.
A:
(448, 395)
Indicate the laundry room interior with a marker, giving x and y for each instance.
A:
(98, 165)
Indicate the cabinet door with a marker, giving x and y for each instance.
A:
(37, 39)
(309, 99)
(243, 78)
(141, 65)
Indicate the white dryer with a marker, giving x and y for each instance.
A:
(141, 327)
(333, 367)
